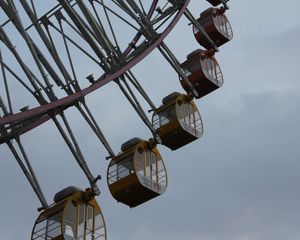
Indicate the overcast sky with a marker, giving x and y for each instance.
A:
(240, 181)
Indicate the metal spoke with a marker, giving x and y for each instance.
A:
(5, 83)
(18, 78)
(127, 91)
(31, 179)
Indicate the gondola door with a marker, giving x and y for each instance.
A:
(82, 222)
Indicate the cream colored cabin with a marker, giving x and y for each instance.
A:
(75, 215)
(177, 121)
(137, 174)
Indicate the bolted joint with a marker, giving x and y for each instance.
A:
(189, 97)
(152, 143)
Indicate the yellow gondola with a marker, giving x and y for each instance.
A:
(75, 215)
(203, 72)
(177, 121)
(216, 25)
(137, 174)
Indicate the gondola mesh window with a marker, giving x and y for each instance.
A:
(120, 170)
(48, 227)
(99, 226)
(189, 118)
(164, 117)
(70, 221)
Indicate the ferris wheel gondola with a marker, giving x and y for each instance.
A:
(137, 174)
(203, 71)
(177, 121)
(75, 214)
(216, 25)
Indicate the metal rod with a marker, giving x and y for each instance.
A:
(95, 127)
(32, 79)
(191, 18)
(102, 38)
(17, 77)
(138, 87)
(6, 84)
(75, 44)
(27, 175)
(49, 45)
(81, 27)
(108, 20)
(51, 12)
(169, 56)
(137, 107)
(11, 12)
(69, 57)
(114, 13)
(31, 170)
(73, 146)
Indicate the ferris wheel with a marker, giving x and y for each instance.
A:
(47, 51)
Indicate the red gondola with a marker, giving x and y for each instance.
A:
(216, 25)
(203, 72)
